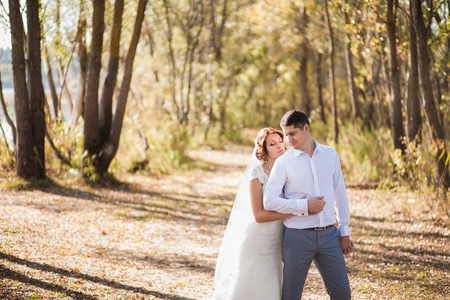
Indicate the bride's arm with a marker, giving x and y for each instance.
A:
(261, 215)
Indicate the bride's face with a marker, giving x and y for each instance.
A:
(274, 145)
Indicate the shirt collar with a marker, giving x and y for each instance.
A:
(318, 148)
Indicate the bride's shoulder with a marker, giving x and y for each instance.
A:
(257, 172)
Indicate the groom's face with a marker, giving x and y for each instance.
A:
(297, 137)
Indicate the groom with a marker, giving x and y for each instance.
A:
(307, 182)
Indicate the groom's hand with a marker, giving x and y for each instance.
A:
(315, 205)
(346, 244)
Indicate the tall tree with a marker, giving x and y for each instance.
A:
(394, 82)
(302, 23)
(51, 83)
(331, 54)
(111, 77)
(28, 99)
(35, 87)
(91, 130)
(349, 62)
(318, 71)
(181, 75)
(83, 60)
(428, 101)
(413, 120)
(111, 145)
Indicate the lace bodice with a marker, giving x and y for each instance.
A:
(258, 172)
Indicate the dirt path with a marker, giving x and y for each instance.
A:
(158, 238)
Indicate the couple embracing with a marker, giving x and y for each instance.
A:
(283, 218)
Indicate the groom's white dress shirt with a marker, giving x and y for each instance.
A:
(297, 177)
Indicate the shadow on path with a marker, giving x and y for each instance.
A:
(78, 295)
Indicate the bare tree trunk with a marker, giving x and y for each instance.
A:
(215, 44)
(65, 88)
(301, 21)
(396, 97)
(331, 74)
(35, 88)
(109, 86)
(25, 158)
(109, 148)
(439, 99)
(303, 76)
(385, 105)
(216, 34)
(412, 108)
(377, 102)
(437, 133)
(82, 56)
(173, 67)
(350, 67)
(91, 130)
(320, 87)
(51, 83)
(223, 106)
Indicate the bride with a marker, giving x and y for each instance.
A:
(249, 264)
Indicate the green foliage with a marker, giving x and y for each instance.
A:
(7, 160)
(415, 166)
(158, 147)
(68, 140)
(364, 154)
(88, 169)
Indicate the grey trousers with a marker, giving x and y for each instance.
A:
(300, 248)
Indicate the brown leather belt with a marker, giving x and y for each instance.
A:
(319, 228)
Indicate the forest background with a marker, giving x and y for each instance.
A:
(372, 75)
(110, 110)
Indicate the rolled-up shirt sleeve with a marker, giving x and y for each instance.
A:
(273, 194)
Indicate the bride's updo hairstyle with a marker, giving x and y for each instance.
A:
(260, 142)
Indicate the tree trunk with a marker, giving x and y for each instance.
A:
(82, 56)
(303, 54)
(439, 100)
(303, 76)
(109, 148)
(394, 68)
(412, 107)
(25, 159)
(350, 67)
(320, 87)
(216, 34)
(437, 133)
(173, 68)
(35, 88)
(105, 117)
(65, 89)
(331, 74)
(91, 130)
(51, 83)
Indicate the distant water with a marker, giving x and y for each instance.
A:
(8, 94)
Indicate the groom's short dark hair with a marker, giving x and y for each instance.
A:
(294, 117)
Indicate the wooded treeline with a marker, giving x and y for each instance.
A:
(181, 68)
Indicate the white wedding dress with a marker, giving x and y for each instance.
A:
(255, 271)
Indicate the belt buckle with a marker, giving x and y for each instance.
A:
(319, 228)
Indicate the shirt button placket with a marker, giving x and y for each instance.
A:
(316, 186)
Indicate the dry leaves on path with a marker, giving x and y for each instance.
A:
(158, 238)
